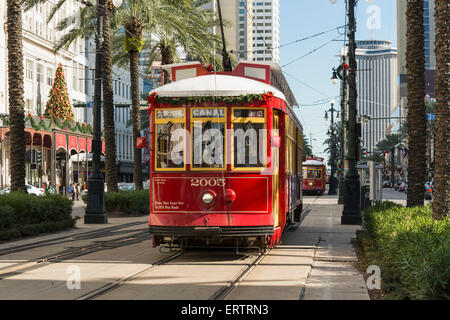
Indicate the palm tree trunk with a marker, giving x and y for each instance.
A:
(415, 65)
(108, 107)
(442, 151)
(134, 75)
(16, 95)
(166, 58)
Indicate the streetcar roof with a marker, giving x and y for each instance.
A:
(312, 163)
(216, 85)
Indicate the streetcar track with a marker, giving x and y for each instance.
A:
(71, 253)
(114, 285)
(225, 291)
(82, 236)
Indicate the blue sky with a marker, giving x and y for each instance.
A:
(303, 18)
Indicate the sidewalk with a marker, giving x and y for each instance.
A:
(333, 275)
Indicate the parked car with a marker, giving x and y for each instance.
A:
(126, 186)
(386, 184)
(30, 189)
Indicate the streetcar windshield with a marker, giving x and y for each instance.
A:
(170, 139)
(208, 138)
(318, 173)
(249, 138)
(310, 173)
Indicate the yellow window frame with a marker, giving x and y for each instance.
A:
(173, 120)
(245, 120)
(216, 120)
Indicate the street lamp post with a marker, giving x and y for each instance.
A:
(332, 189)
(95, 211)
(352, 209)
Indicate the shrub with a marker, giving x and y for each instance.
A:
(133, 203)
(412, 249)
(22, 214)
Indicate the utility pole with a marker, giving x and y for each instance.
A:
(332, 189)
(352, 209)
(342, 132)
(95, 211)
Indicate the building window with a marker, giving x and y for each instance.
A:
(29, 69)
(74, 77)
(50, 74)
(39, 73)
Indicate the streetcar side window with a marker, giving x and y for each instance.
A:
(208, 138)
(249, 138)
(170, 139)
(305, 173)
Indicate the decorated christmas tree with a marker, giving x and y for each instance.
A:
(58, 104)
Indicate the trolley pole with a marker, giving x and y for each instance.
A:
(95, 211)
(352, 209)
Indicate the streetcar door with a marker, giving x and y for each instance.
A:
(276, 166)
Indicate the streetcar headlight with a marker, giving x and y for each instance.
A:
(310, 183)
(207, 198)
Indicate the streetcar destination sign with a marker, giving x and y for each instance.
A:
(208, 113)
(168, 114)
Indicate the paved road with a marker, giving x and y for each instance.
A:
(314, 261)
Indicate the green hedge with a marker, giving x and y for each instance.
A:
(23, 214)
(132, 203)
(411, 248)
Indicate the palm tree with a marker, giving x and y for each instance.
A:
(16, 94)
(389, 144)
(182, 20)
(415, 65)
(442, 167)
(307, 150)
(87, 17)
(338, 127)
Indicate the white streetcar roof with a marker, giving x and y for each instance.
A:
(216, 85)
(312, 163)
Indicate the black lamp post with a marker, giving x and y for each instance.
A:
(352, 209)
(332, 189)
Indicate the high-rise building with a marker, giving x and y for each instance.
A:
(254, 33)
(430, 58)
(376, 87)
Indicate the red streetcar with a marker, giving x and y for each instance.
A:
(225, 157)
(314, 175)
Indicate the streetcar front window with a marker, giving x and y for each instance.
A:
(170, 139)
(208, 138)
(318, 174)
(249, 138)
(310, 173)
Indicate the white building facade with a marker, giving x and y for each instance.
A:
(376, 87)
(78, 62)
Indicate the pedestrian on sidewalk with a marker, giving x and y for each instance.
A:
(77, 191)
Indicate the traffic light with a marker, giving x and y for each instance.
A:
(38, 157)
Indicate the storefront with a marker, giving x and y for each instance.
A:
(55, 152)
